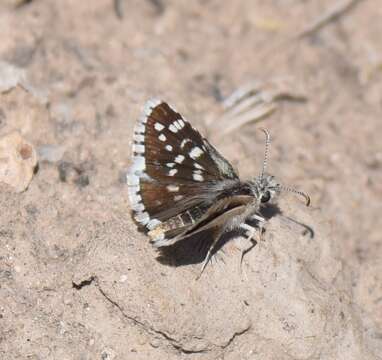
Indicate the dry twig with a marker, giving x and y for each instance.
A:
(255, 101)
(331, 15)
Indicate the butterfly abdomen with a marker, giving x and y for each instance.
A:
(176, 225)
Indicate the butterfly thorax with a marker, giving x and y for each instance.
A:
(244, 198)
(262, 189)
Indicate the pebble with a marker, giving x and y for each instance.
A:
(18, 161)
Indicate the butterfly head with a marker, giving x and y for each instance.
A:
(266, 187)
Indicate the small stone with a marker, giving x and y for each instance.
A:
(18, 160)
(72, 174)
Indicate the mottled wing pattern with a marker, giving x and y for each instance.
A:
(172, 172)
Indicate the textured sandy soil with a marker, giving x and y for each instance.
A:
(77, 281)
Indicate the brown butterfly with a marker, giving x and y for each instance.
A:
(180, 186)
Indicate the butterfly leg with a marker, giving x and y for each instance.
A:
(260, 224)
(209, 254)
(244, 244)
(251, 231)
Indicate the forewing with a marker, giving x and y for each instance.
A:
(174, 169)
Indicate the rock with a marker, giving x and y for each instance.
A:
(18, 160)
(73, 174)
(292, 300)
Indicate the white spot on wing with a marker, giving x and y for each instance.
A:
(168, 147)
(162, 137)
(198, 166)
(172, 188)
(172, 172)
(184, 142)
(178, 197)
(170, 165)
(197, 177)
(179, 159)
(158, 126)
(173, 128)
(196, 152)
(178, 124)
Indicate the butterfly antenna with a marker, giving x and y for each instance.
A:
(267, 144)
(307, 198)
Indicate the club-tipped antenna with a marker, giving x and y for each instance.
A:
(307, 198)
(266, 151)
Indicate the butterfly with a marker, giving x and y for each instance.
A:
(180, 186)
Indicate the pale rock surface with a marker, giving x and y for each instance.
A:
(77, 281)
(18, 160)
(293, 300)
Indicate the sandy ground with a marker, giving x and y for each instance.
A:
(77, 281)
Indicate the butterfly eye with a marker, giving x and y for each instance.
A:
(266, 197)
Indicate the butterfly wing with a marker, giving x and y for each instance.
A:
(175, 173)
